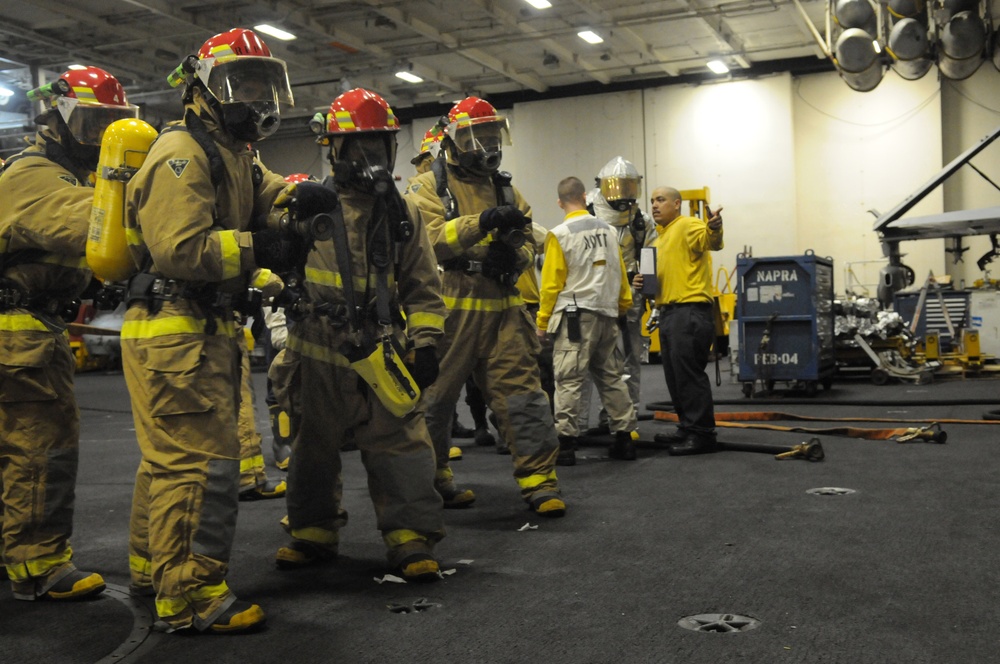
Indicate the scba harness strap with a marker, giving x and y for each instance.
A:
(502, 185)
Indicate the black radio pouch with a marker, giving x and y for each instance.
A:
(572, 314)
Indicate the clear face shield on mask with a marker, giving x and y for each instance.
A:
(87, 122)
(251, 91)
(479, 142)
(621, 193)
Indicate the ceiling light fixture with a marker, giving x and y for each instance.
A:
(718, 66)
(408, 77)
(277, 33)
(539, 4)
(590, 37)
(875, 44)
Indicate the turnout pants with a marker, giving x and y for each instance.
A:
(252, 472)
(329, 404)
(500, 349)
(184, 385)
(39, 449)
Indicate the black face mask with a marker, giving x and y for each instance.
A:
(250, 121)
(85, 155)
(621, 205)
(376, 180)
(480, 163)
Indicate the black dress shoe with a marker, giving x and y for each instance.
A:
(693, 444)
(670, 439)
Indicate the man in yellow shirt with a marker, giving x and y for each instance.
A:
(687, 326)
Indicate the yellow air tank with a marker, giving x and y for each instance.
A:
(123, 149)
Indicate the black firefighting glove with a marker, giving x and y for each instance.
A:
(503, 217)
(500, 263)
(307, 199)
(425, 366)
(277, 251)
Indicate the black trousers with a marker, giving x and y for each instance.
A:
(686, 335)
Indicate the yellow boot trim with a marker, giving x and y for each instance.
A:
(316, 535)
(532, 481)
(443, 474)
(284, 427)
(553, 506)
(455, 453)
(421, 570)
(241, 621)
(395, 538)
(89, 585)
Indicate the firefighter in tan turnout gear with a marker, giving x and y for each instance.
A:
(379, 268)
(47, 195)
(190, 208)
(478, 223)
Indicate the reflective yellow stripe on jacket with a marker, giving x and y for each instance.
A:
(334, 280)
(21, 323)
(162, 327)
(230, 246)
(483, 304)
(424, 319)
(316, 351)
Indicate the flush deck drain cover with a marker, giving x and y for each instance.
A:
(413, 606)
(830, 491)
(719, 622)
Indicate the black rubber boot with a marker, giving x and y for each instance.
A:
(624, 446)
(567, 451)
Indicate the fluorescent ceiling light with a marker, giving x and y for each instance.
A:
(878, 49)
(5, 92)
(590, 37)
(408, 77)
(718, 66)
(539, 4)
(277, 33)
